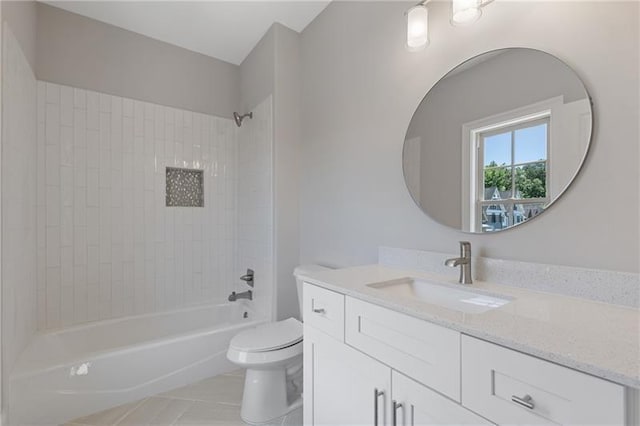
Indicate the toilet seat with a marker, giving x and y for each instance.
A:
(268, 337)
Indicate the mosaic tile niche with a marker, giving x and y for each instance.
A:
(185, 187)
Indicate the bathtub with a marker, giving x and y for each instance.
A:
(73, 372)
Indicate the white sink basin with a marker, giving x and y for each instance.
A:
(462, 299)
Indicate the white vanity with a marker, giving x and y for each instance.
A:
(377, 352)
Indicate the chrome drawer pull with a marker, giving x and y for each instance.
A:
(319, 311)
(376, 395)
(396, 406)
(526, 401)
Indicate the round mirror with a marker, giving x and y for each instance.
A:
(497, 140)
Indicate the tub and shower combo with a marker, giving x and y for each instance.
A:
(77, 371)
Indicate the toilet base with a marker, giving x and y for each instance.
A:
(271, 395)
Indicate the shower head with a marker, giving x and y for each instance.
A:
(238, 118)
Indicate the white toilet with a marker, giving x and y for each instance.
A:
(272, 355)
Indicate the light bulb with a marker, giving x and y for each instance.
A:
(417, 28)
(465, 11)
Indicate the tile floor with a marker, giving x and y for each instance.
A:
(214, 401)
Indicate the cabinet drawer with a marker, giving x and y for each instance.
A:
(427, 352)
(510, 387)
(324, 310)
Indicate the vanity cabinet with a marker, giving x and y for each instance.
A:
(370, 365)
(340, 382)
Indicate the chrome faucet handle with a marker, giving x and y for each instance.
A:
(248, 277)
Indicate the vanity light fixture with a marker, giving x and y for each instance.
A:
(463, 12)
(417, 27)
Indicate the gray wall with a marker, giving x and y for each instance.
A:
(273, 67)
(77, 51)
(21, 17)
(286, 154)
(361, 87)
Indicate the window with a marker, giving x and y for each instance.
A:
(512, 168)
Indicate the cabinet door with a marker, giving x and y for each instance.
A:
(423, 406)
(340, 383)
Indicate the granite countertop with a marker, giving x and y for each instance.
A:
(593, 337)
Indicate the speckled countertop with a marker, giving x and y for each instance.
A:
(593, 337)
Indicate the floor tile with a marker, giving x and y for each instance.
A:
(223, 388)
(241, 373)
(212, 401)
(145, 413)
(107, 417)
(171, 412)
(211, 413)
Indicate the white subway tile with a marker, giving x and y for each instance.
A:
(105, 131)
(41, 100)
(105, 168)
(127, 107)
(93, 187)
(81, 302)
(66, 227)
(93, 226)
(66, 106)
(67, 306)
(93, 110)
(53, 206)
(149, 111)
(79, 128)
(93, 149)
(80, 167)
(127, 134)
(66, 266)
(93, 264)
(53, 297)
(53, 93)
(105, 103)
(66, 186)
(52, 165)
(80, 246)
(79, 98)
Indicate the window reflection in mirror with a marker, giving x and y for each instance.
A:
(497, 140)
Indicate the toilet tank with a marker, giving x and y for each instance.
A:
(303, 270)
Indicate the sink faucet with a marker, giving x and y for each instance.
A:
(464, 262)
(244, 295)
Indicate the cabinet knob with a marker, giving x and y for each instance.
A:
(526, 401)
(319, 310)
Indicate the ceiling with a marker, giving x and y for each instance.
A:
(226, 30)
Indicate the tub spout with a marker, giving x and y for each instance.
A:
(244, 295)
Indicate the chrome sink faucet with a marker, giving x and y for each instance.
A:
(464, 262)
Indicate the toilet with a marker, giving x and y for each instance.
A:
(272, 355)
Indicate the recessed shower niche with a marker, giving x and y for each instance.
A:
(185, 187)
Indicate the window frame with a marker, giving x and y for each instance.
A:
(508, 203)
(470, 131)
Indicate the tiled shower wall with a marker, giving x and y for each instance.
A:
(255, 204)
(107, 244)
(18, 201)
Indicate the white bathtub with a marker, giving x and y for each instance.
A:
(77, 371)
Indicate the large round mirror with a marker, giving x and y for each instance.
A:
(497, 140)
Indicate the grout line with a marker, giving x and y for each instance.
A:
(135, 407)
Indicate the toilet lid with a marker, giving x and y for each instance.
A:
(269, 337)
